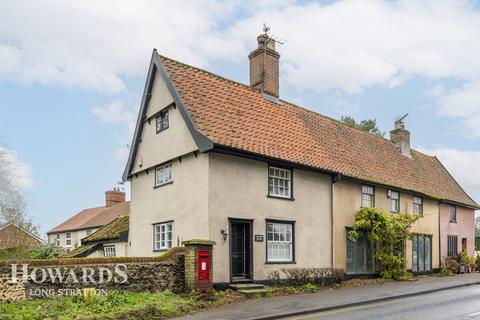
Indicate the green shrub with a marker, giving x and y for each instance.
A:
(310, 288)
(115, 305)
(48, 251)
(445, 272)
(16, 253)
(388, 232)
(290, 290)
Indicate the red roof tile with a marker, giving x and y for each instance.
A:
(237, 116)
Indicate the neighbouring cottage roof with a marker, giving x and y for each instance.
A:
(12, 236)
(234, 117)
(81, 251)
(93, 217)
(111, 231)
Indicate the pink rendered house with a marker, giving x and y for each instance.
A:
(457, 230)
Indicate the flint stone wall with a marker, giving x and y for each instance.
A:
(142, 276)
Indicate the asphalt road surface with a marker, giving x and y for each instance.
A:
(454, 304)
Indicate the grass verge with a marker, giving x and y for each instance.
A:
(116, 305)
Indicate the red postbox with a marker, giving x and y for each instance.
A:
(203, 265)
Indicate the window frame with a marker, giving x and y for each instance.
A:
(286, 222)
(109, 247)
(165, 164)
(372, 195)
(160, 248)
(420, 205)
(449, 243)
(57, 239)
(424, 236)
(270, 195)
(68, 237)
(390, 193)
(450, 207)
(161, 116)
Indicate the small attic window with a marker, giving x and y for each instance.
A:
(162, 121)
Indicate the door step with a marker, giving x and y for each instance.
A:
(251, 290)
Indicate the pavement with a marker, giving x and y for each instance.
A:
(328, 300)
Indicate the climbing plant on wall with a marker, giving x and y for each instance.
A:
(389, 232)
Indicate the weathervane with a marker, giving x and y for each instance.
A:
(271, 37)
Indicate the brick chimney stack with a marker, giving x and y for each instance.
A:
(114, 196)
(264, 62)
(401, 137)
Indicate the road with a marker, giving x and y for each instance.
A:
(454, 304)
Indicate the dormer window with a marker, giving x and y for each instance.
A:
(162, 121)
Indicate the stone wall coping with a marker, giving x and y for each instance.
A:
(162, 259)
(199, 242)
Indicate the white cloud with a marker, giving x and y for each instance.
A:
(463, 165)
(21, 171)
(462, 103)
(348, 45)
(116, 112)
(95, 44)
(354, 44)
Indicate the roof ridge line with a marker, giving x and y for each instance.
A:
(211, 73)
(284, 101)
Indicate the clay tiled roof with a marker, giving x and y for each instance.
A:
(94, 217)
(116, 210)
(12, 236)
(75, 222)
(236, 116)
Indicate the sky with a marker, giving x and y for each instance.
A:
(72, 75)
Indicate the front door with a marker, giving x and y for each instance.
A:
(240, 250)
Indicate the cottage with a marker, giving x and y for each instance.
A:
(108, 241)
(273, 184)
(70, 233)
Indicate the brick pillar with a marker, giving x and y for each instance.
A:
(198, 277)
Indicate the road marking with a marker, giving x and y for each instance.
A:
(343, 310)
(474, 314)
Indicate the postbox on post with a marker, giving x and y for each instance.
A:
(198, 266)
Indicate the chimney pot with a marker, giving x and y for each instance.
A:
(264, 66)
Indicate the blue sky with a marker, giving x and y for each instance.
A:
(72, 74)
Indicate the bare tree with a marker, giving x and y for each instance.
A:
(13, 208)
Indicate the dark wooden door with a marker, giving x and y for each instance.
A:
(240, 250)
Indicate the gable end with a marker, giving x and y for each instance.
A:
(203, 143)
